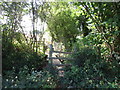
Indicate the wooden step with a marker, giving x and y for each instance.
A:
(60, 69)
(63, 52)
(63, 58)
(62, 65)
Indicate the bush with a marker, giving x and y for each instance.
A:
(89, 77)
(91, 71)
(83, 55)
(14, 55)
(41, 79)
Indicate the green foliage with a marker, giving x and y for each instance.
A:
(93, 39)
(97, 57)
(102, 19)
(41, 79)
(18, 54)
(18, 57)
(89, 76)
(62, 26)
(83, 24)
(92, 71)
(84, 54)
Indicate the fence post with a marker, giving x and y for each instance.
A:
(75, 49)
(44, 47)
(50, 53)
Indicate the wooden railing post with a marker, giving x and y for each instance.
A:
(44, 47)
(75, 49)
(50, 53)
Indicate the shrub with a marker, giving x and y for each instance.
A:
(41, 79)
(89, 77)
(83, 55)
(16, 56)
(91, 71)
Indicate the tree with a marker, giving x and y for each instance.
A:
(105, 18)
(62, 24)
